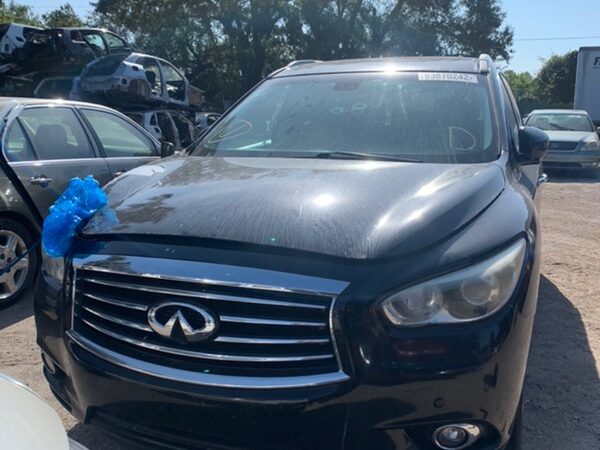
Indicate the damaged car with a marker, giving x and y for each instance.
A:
(58, 49)
(139, 78)
(13, 36)
(166, 126)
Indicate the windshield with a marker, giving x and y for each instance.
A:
(560, 121)
(428, 117)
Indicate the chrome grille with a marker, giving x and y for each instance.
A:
(562, 146)
(276, 335)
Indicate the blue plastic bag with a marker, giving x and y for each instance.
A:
(70, 213)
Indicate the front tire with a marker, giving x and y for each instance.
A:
(16, 244)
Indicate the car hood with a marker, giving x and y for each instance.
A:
(568, 136)
(351, 209)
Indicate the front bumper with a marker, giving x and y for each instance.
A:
(400, 389)
(574, 159)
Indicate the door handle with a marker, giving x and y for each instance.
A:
(543, 178)
(41, 180)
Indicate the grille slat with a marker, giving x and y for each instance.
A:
(202, 355)
(265, 332)
(562, 146)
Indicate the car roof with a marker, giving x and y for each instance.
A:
(558, 111)
(409, 64)
(5, 101)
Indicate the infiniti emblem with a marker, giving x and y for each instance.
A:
(182, 321)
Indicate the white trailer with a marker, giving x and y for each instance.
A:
(587, 82)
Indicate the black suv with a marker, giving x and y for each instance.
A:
(348, 259)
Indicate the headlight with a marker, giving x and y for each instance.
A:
(591, 145)
(462, 296)
(53, 267)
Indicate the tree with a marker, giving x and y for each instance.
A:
(226, 46)
(12, 12)
(523, 85)
(556, 79)
(64, 16)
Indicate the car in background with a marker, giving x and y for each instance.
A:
(65, 88)
(166, 126)
(574, 142)
(204, 120)
(45, 144)
(28, 422)
(348, 259)
(139, 78)
(67, 50)
(13, 36)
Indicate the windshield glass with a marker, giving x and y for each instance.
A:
(429, 117)
(560, 121)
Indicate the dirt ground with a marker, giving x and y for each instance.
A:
(562, 388)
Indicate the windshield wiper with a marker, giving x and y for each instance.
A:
(365, 156)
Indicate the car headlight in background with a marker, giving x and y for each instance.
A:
(462, 296)
(53, 267)
(591, 145)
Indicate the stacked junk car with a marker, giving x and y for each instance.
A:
(98, 66)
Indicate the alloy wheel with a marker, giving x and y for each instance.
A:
(12, 247)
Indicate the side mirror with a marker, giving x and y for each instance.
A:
(166, 149)
(533, 144)
(598, 130)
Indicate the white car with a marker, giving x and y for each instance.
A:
(27, 422)
(13, 36)
(139, 78)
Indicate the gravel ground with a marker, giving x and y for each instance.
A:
(562, 388)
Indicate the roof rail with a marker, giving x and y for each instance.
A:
(485, 62)
(299, 62)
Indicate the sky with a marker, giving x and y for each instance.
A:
(530, 19)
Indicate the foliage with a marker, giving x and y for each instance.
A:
(553, 87)
(64, 16)
(227, 46)
(13, 12)
(556, 79)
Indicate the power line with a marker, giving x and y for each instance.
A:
(558, 38)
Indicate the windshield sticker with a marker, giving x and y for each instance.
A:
(445, 76)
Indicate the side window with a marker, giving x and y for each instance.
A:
(55, 133)
(94, 40)
(166, 128)
(511, 119)
(152, 72)
(18, 147)
(174, 82)
(115, 43)
(118, 137)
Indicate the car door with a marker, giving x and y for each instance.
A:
(47, 146)
(123, 144)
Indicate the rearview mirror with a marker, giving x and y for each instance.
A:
(166, 149)
(533, 144)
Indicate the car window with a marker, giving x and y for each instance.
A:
(511, 119)
(174, 82)
(17, 146)
(115, 43)
(425, 116)
(56, 133)
(166, 128)
(54, 88)
(152, 72)
(560, 121)
(94, 40)
(118, 137)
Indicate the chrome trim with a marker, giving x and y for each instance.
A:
(278, 322)
(115, 302)
(205, 379)
(243, 340)
(202, 295)
(125, 323)
(203, 355)
(543, 179)
(217, 274)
